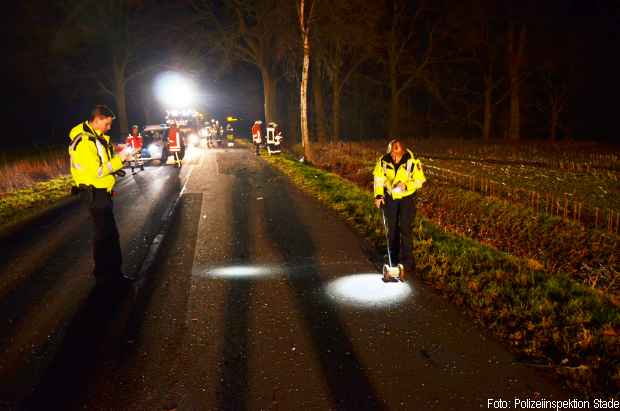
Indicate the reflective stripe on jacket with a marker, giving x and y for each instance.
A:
(174, 139)
(409, 172)
(134, 141)
(256, 133)
(93, 161)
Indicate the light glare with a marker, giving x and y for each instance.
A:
(174, 91)
(241, 271)
(367, 290)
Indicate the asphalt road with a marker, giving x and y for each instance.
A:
(257, 298)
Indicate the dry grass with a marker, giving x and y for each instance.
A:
(576, 182)
(25, 171)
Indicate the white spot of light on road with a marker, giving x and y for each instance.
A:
(241, 271)
(367, 290)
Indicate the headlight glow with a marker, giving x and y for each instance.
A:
(154, 150)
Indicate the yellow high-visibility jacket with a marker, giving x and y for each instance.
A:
(409, 172)
(92, 157)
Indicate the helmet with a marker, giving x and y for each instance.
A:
(135, 126)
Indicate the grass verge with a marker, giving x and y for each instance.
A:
(588, 255)
(548, 317)
(19, 205)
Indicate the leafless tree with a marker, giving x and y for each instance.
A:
(257, 32)
(555, 97)
(306, 12)
(103, 41)
(408, 51)
(516, 49)
(320, 120)
(346, 36)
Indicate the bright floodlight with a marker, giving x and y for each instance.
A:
(367, 290)
(242, 271)
(174, 91)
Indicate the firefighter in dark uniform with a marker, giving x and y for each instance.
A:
(94, 167)
(397, 177)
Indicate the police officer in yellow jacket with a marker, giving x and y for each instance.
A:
(93, 167)
(397, 177)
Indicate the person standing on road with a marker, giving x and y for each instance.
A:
(397, 177)
(93, 168)
(257, 135)
(134, 140)
(174, 143)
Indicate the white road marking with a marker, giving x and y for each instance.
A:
(159, 238)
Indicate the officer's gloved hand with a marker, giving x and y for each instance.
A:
(74, 191)
(120, 173)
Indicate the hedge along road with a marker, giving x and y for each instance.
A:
(259, 297)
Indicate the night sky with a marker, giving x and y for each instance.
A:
(42, 107)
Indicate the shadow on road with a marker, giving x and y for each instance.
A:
(110, 317)
(40, 273)
(84, 342)
(233, 390)
(349, 385)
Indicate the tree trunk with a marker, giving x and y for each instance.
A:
(394, 93)
(120, 100)
(293, 115)
(303, 98)
(394, 115)
(336, 98)
(514, 132)
(553, 127)
(487, 120)
(303, 95)
(269, 90)
(273, 101)
(516, 57)
(361, 131)
(319, 106)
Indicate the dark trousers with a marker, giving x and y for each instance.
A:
(106, 243)
(400, 215)
(257, 145)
